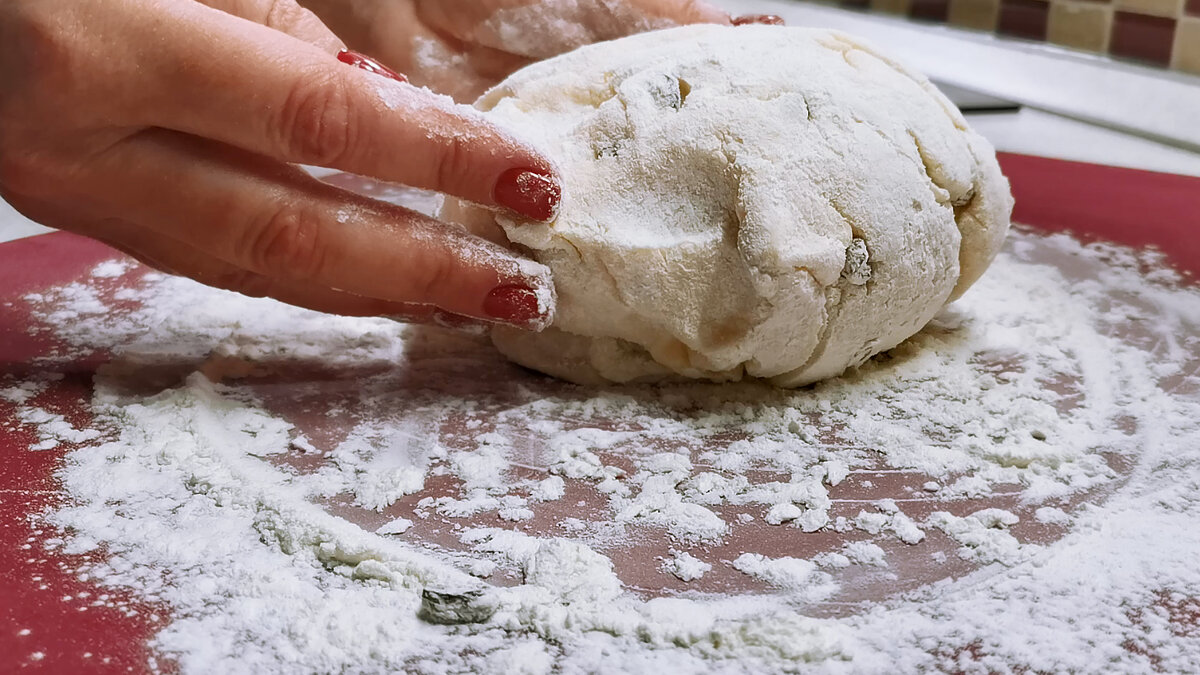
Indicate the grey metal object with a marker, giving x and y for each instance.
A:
(970, 101)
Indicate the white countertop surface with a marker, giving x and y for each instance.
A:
(1073, 101)
(1147, 101)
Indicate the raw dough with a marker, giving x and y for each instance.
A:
(759, 201)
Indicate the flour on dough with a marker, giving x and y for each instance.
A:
(757, 201)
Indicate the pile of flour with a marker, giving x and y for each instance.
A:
(1057, 383)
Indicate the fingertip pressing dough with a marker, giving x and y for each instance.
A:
(759, 201)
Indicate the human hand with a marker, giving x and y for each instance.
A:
(463, 47)
(169, 129)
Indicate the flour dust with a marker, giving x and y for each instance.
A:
(1016, 488)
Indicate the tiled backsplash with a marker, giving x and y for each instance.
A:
(1156, 32)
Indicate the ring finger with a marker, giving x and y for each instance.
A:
(275, 221)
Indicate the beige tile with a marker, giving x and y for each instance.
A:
(1167, 8)
(1082, 25)
(1186, 56)
(891, 6)
(978, 14)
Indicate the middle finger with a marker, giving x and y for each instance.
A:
(274, 220)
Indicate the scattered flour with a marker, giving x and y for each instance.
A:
(686, 567)
(793, 574)
(397, 526)
(865, 553)
(52, 428)
(1061, 386)
(982, 534)
(111, 269)
(1052, 516)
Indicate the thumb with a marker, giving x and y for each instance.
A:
(540, 30)
(683, 12)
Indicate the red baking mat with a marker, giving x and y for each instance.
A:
(1131, 207)
(33, 585)
(1126, 206)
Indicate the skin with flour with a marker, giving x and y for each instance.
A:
(464, 47)
(757, 201)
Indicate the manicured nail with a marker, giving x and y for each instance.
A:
(531, 194)
(518, 305)
(768, 19)
(369, 64)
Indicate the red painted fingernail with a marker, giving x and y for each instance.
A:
(768, 19)
(531, 194)
(518, 305)
(369, 64)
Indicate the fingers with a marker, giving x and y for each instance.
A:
(434, 56)
(268, 93)
(767, 19)
(364, 62)
(285, 16)
(539, 30)
(685, 12)
(175, 257)
(289, 233)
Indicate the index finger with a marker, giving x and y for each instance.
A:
(278, 223)
(275, 95)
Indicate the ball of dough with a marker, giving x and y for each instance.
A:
(759, 201)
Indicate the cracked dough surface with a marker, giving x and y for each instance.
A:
(759, 201)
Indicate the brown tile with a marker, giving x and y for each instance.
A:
(1082, 25)
(891, 6)
(1168, 8)
(930, 10)
(1187, 45)
(977, 14)
(1024, 18)
(1192, 7)
(1142, 37)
